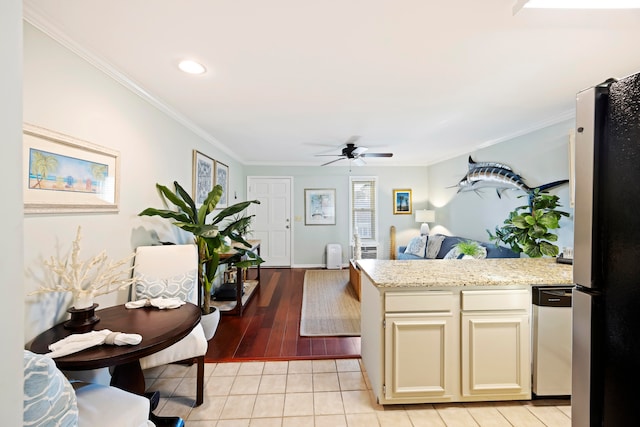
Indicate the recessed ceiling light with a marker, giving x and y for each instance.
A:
(191, 67)
(576, 4)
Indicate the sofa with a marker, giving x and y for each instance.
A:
(439, 246)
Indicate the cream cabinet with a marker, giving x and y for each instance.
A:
(446, 345)
(496, 344)
(420, 346)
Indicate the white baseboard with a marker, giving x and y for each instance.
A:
(316, 266)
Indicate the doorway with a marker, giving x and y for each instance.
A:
(272, 222)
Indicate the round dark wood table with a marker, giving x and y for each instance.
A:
(159, 330)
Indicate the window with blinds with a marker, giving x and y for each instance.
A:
(363, 207)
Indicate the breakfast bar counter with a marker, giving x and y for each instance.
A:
(451, 330)
(466, 273)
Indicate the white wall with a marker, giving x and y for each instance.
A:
(310, 240)
(11, 263)
(65, 93)
(539, 157)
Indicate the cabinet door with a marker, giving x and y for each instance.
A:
(418, 355)
(495, 354)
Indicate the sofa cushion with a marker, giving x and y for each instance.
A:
(447, 244)
(49, 399)
(455, 253)
(417, 246)
(403, 256)
(433, 246)
(495, 251)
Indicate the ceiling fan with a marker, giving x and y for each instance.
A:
(352, 152)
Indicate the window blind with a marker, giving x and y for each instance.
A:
(363, 207)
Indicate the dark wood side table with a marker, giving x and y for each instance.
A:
(239, 307)
(159, 329)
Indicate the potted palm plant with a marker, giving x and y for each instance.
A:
(210, 235)
(528, 228)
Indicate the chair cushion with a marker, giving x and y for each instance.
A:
(167, 261)
(193, 345)
(178, 286)
(100, 405)
(49, 399)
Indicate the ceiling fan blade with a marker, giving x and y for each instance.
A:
(328, 155)
(376, 155)
(332, 161)
(358, 151)
(359, 162)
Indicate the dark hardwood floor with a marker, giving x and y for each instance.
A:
(269, 329)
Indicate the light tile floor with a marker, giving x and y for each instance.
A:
(322, 393)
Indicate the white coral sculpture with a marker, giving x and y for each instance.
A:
(87, 279)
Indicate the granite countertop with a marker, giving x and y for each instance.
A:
(467, 272)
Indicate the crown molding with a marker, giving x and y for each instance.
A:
(35, 17)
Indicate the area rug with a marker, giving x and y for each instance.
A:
(330, 306)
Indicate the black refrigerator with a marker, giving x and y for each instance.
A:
(606, 268)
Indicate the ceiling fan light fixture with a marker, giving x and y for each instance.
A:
(192, 67)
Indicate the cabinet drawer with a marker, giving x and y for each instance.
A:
(398, 302)
(517, 299)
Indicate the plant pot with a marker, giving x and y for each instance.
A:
(82, 319)
(210, 323)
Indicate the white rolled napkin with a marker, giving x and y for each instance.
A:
(76, 342)
(161, 303)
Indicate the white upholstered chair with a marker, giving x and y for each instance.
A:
(50, 400)
(171, 264)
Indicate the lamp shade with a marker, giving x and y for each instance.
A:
(425, 215)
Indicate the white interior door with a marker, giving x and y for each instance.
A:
(272, 221)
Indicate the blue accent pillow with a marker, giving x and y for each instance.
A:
(49, 398)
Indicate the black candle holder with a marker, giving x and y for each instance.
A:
(82, 319)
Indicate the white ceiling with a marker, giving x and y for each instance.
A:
(289, 79)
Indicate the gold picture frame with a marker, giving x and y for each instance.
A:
(402, 203)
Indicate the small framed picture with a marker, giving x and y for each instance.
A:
(203, 176)
(320, 206)
(222, 179)
(402, 202)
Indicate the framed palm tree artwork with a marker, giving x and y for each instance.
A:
(63, 174)
(402, 203)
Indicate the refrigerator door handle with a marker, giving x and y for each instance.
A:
(586, 145)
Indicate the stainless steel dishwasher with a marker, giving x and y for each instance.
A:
(552, 340)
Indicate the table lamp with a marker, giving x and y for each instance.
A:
(424, 216)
